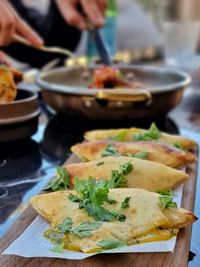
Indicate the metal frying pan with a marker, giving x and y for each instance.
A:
(65, 90)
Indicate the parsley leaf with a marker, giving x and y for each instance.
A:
(111, 201)
(61, 182)
(66, 225)
(118, 178)
(84, 229)
(109, 151)
(110, 244)
(92, 194)
(166, 199)
(126, 168)
(141, 155)
(119, 137)
(164, 192)
(152, 133)
(58, 248)
(178, 145)
(125, 203)
(100, 163)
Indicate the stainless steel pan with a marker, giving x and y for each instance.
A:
(65, 90)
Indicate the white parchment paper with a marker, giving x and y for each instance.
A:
(32, 243)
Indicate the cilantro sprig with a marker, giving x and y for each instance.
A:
(141, 155)
(119, 137)
(110, 244)
(60, 182)
(166, 199)
(92, 194)
(179, 146)
(110, 151)
(125, 203)
(85, 229)
(118, 178)
(57, 235)
(153, 133)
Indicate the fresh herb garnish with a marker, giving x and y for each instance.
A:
(125, 203)
(178, 145)
(164, 192)
(92, 194)
(58, 248)
(111, 244)
(65, 226)
(141, 155)
(121, 217)
(100, 163)
(109, 151)
(166, 199)
(61, 182)
(152, 134)
(126, 168)
(111, 201)
(85, 229)
(119, 137)
(118, 178)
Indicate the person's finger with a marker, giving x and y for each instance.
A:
(23, 29)
(71, 14)
(7, 27)
(92, 10)
(102, 6)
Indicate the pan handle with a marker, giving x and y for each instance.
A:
(124, 95)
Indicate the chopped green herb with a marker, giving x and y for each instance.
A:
(85, 229)
(109, 151)
(121, 217)
(100, 163)
(111, 244)
(118, 178)
(152, 134)
(141, 155)
(164, 192)
(54, 235)
(166, 199)
(74, 198)
(178, 145)
(119, 137)
(125, 203)
(111, 201)
(92, 194)
(58, 248)
(65, 226)
(126, 168)
(61, 182)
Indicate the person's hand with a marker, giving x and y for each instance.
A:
(11, 23)
(93, 9)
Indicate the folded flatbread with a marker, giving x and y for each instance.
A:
(128, 135)
(145, 174)
(158, 152)
(146, 221)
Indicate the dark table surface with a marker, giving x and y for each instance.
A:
(27, 165)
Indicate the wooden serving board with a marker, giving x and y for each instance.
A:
(166, 259)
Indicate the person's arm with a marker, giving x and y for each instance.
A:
(11, 23)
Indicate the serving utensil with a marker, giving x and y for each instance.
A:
(52, 49)
(101, 47)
